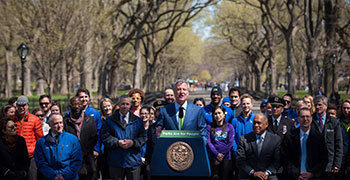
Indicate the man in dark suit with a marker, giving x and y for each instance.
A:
(181, 115)
(279, 124)
(258, 153)
(330, 128)
(304, 151)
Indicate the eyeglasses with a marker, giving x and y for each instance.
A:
(12, 127)
(39, 115)
(44, 103)
(135, 98)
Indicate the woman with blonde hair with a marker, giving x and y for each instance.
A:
(106, 108)
(309, 100)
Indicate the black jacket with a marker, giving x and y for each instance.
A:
(151, 138)
(316, 153)
(88, 137)
(285, 126)
(247, 154)
(16, 159)
(333, 139)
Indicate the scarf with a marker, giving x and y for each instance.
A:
(346, 125)
(77, 123)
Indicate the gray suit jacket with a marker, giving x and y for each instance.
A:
(248, 159)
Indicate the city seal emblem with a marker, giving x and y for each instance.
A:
(179, 156)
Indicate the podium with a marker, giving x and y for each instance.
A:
(180, 154)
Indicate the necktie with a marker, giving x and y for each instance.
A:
(123, 121)
(303, 154)
(181, 117)
(321, 123)
(260, 143)
(276, 125)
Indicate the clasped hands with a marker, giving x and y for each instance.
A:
(305, 176)
(126, 143)
(260, 175)
(219, 158)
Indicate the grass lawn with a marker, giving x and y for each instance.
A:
(302, 93)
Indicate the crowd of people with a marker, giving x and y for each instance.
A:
(307, 140)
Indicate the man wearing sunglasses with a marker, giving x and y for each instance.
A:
(278, 124)
(45, 104)
(288, 110)
(137, 97)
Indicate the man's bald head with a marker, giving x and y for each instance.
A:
(260, 124)
(262, 116)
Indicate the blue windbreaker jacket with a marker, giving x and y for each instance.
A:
(62, 157)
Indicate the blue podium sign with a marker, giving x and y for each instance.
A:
(180, 153)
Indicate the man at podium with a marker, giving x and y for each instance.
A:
(181, 115)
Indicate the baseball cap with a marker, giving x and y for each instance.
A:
(22, 100)
(216, 89)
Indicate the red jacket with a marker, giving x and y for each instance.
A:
(30, 128)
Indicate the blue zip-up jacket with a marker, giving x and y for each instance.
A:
(208, 110)
(98, 122)
(242, 126)
(113, 131)
(63, 158)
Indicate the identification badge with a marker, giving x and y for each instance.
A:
(284, 131)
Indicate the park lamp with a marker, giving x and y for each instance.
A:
(22, 51)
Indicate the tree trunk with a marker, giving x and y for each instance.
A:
(95, 78)
(63, 78)
(137, 81)
(40, 87)
(15, 77)
(68, 77)
(274, 77)
(86, 67)
(55, 82)
(8, 79)
(290, 62)
(331, 21)
(311, 71)
(113, 83)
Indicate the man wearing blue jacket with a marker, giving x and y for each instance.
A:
(243, 124)
(58, 154)
(124, 135)
(216, 96)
